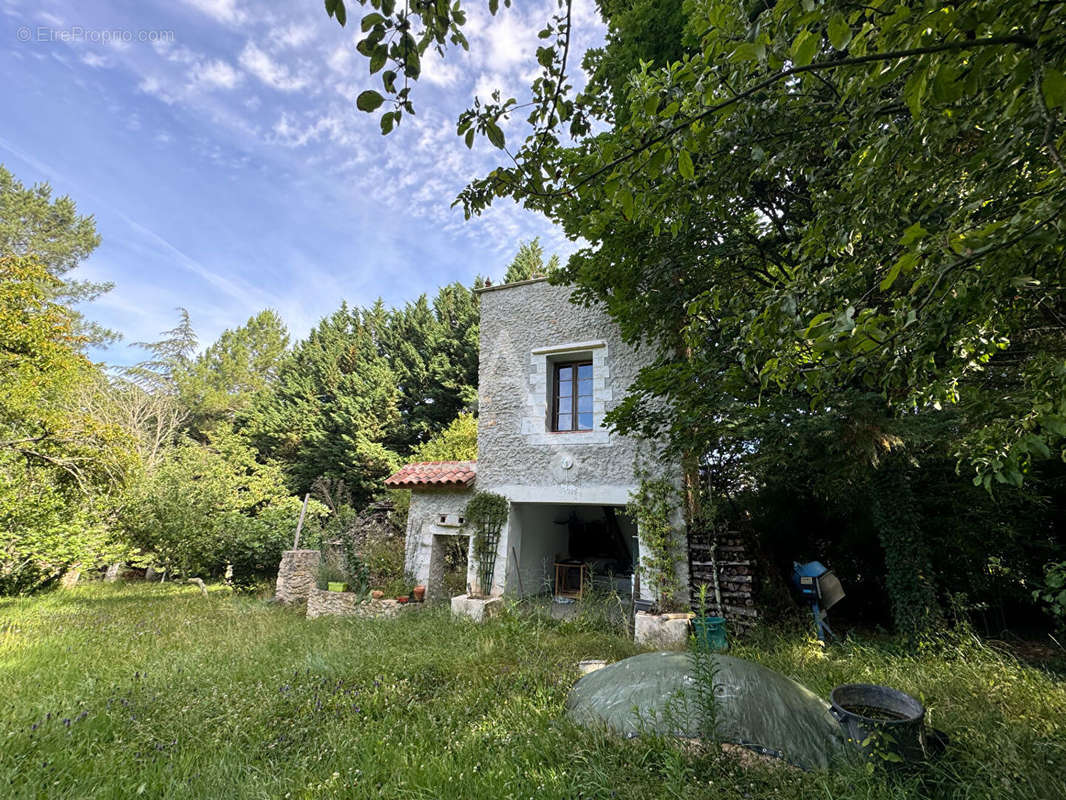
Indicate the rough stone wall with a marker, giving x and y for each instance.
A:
(321, 603)
(297, 575)
(523, 328)
(423, 523)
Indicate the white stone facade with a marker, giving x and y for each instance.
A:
(527, 327)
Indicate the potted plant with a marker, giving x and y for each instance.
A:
(419, 593)
(332, 578)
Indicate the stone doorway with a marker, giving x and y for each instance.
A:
(449, 561)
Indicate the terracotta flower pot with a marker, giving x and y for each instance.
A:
(420, 593)
(401, 599)
(377, 594)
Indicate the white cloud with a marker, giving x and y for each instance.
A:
(340, 60)
(512, 42)
(294, 35)
(341, 126)
(439, 72)
(216, 74)
(270, 72)
(95, 60)
(228, 11)
(153, 86)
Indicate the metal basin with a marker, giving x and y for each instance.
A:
(884, 724)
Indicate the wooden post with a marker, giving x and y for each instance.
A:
(300, 524)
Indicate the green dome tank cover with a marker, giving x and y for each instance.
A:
(755, 706)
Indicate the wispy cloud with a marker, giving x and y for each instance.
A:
(228, 11)
(273, 73)
(241, 175)
(216, 74)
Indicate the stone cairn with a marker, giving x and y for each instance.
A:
(297, 575)
(720, 559)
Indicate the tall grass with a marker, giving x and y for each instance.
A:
(155, 691)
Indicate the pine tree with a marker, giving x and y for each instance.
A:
(334, 402)
(225, 380)
(529, 263)
(52, 232)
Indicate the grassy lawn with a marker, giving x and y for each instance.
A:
(119, 691)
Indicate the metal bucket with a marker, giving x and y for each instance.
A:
(884, 724)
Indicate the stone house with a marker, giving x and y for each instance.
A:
(549, 370)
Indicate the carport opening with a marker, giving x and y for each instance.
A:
(570, 549)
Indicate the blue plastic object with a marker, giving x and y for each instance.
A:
(710, 633)
(810, 580)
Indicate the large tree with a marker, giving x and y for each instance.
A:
(885, 181)
(529, 262)
(59, 462)
(333, 404)
(433, 351)
(849, 213)
(225, 380)
(52, 231)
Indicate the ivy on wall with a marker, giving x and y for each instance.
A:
(486, 513)
(652, 506)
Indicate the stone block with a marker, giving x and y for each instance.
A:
(664, 631)
(321, 603)
(297, 575)
(478, 609)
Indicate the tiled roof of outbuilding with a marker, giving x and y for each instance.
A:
(428, 474)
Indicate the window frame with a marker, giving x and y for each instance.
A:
(575, 414)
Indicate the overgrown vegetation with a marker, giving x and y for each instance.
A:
(653, 508)
(841, 224)
(486, 514)
(105, 690)
(196, 463)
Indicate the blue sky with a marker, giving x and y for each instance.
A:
(221, 153)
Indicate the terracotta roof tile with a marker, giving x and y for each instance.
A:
(434, 473)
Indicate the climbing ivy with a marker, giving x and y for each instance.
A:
(909, 575)
(486, 513)
(651, 506)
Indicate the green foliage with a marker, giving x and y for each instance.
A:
(486, 513)
(433, 350)
(808, 205)
(32, 223)
(59, 462)
(1053, 591)
(331, 572)
(652, 506)
(529, 263)
(384, 558)
(909, 578)
(333, 403)
(225, 380)
(207, 506)
(457, 442)
(705, 674)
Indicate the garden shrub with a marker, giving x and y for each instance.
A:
(208, 506)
